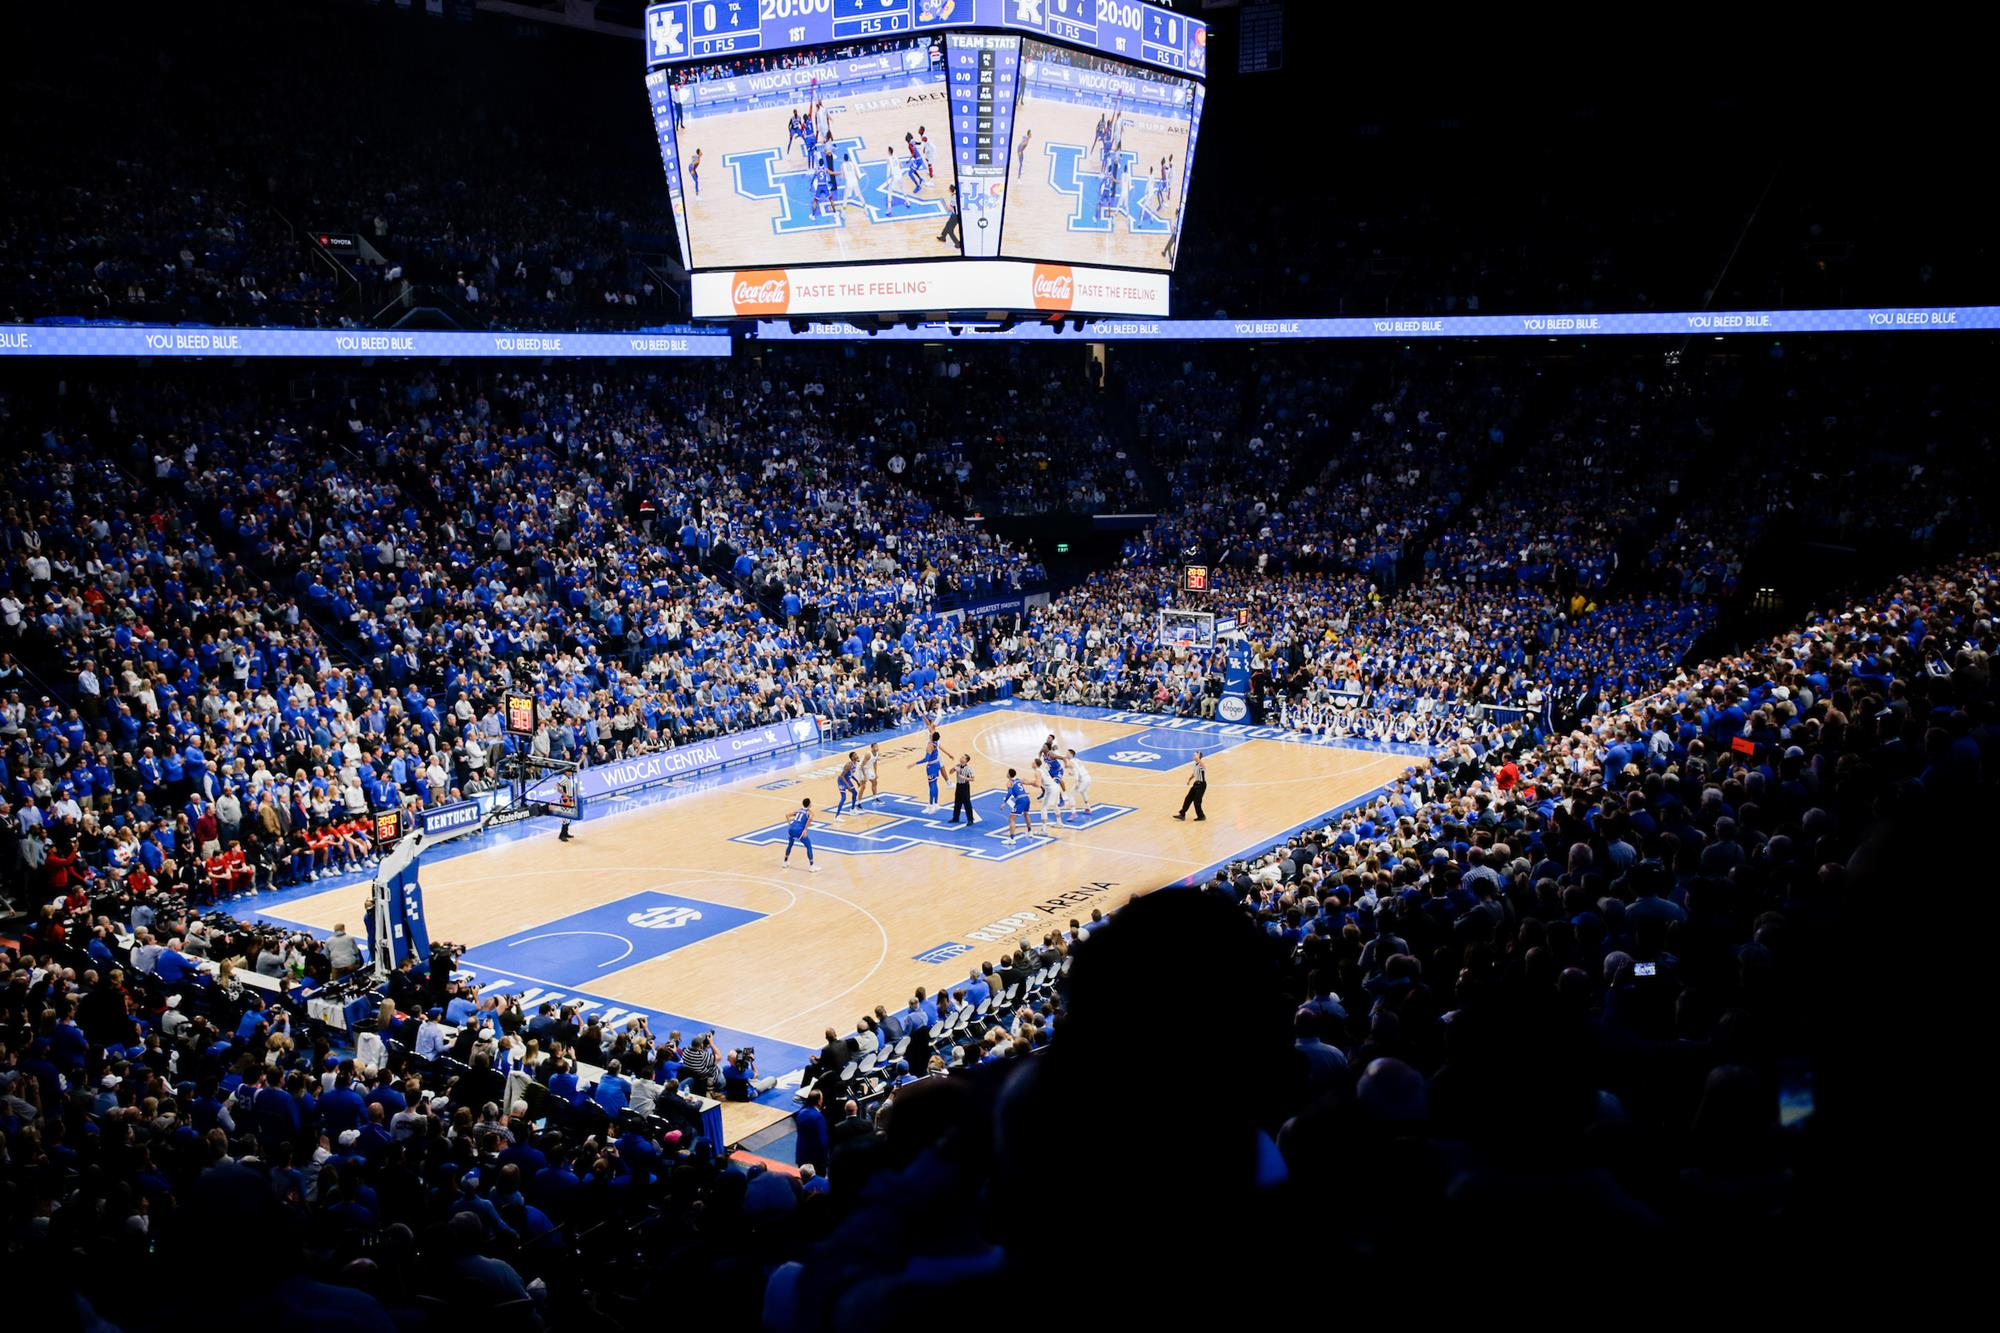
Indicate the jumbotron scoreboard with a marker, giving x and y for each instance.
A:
(888, 156)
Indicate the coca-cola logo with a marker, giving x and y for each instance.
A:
(762, 292)
(1054, 287)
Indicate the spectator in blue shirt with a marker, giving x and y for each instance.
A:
(613, 1091)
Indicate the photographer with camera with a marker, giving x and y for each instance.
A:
(699, 1065)
(739, 1077)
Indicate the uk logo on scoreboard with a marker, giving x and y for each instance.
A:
(893, 822)
(666, 31)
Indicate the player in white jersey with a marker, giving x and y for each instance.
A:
(871, 783)
(850, 182)
(1079, 782)
(1056, 767)
(897, 187)
(1048, 792)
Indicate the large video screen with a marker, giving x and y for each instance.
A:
(876, 156)
(816, 159)
(1100, 161)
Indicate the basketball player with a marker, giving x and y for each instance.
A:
(871, 782)
(694, 172)
(933, 765)
(1017, 807)
(1054, 766)
(1166, 179)
(924, 142)
(848, 785)
(915, 164)
(822, 191)
(800, 831)
(1021, 153)
(894, 187)
(1047, 793)
(566, 798)
(792, 132)
(809, 134)
(850, 182)
(1079, 778)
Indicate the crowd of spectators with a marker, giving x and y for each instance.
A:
(1563, 983)
(1313, 478)
(1339, 655)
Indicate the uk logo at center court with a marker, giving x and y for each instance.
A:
(893, 822)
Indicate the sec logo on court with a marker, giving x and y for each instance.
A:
(663, 918)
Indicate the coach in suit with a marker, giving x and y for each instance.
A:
(1197, 788)
(853, 1127)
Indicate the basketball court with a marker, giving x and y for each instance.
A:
(1052, 196)
(755, 206)
(676, 903)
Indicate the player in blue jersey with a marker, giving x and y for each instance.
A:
(1021, 153)
(809, 135)
(914, 163)
(694, 171)
(933, 765)
(848, 784)
(1161, 185)
(800, 831)
(792, 132)
(1107, 193)
(822, 191)
(1017, 807)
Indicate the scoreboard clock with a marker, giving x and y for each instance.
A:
(1194, 578)
(388, 826)
(520, 714)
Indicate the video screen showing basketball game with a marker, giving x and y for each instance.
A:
(1100, 160)
(824, 160)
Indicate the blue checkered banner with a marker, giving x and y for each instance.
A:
(1886, 319)
(166, 340)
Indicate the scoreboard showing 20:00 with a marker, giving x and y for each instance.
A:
(849, 156)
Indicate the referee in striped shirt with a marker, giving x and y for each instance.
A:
(1197, 788)
(961, 791)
